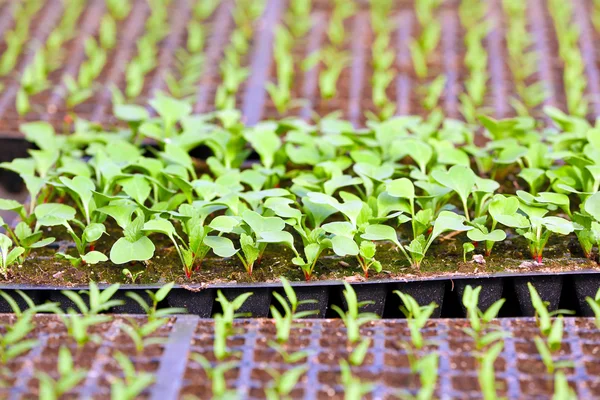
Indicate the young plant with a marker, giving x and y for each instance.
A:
(10, 254)
(284, 323)
(417, 317)
(140, 333)
(533, 224)
(288, 358)
(99, 301)
(152, 311)
(595, 306)
(354, 388)
(427, 368)
(353, 319)
(481, 330)
(133, 383)
(56, 214)
(15, 342)
(283, 383)
(68, 379)
(216, 375)
(562, 390)
(486, 374)
(404, 190)
(552, 332)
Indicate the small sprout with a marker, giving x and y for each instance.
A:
(9, 255)
(417, 317)
(594, 304)
(562, 390)
(284, 322)
(352, 318)
(14, 342)
(140, 332)
(283, 383)
(216, 375)
(132, 276)
(468, 247)
(354, 388)
(68, 377)
(479, 321)
(358, 355)
(486, 374)
(152, 311)
(133, 383)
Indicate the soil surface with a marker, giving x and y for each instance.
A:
(444, 258)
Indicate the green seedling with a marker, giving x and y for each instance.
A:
(594, 304)
(216, 375)
(357, 357)
(283, 383)
(56, 214)
(552, 343)
(132, 276)
(15, 342)
(133, 383)
(134, 245)
(417, 317)
(353, 319)
(140, 332)
(31, 307)
(562, 390)
(10, 254)
(354, 388)
(427, 368)
(481, 330)
(284, 322)
(152, 311)
(467, 248)
(68, 377)
(486, 374)
(99, 301)
(288, 358)
(542, 315)
(552, 332)
(532, 223)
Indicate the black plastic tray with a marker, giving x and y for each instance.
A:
(566, 290)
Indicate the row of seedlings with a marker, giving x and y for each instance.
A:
(341, 192)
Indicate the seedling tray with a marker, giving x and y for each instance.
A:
(566, 290)
(519, 370)
(354, 86)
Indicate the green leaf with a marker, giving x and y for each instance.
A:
(592, 206)
(136, 187)
(160, 225)
(558, 225)
(477, 235)
(260, 224)
(344, 246)
(459, 178)
(278, 237)
(52, 214)
(221, 246)
(93, 232)
(505, 210)
(124, 251)
(223, 223)
(94, 257)
(131, 113)
(448, 221)
(381, 232)
(402, 188)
